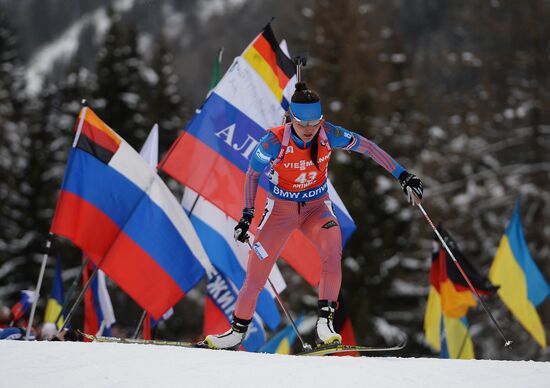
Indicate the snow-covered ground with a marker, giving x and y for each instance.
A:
(82, 365)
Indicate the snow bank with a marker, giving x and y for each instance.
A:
(70, 364)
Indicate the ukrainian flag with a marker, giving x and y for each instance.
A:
(432, 319)
(55, 301)
(522, 286)
(282, 341)
(456, 342)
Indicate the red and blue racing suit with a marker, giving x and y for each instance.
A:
(298, 199)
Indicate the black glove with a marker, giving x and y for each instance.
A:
(244, 224)
(408, 180)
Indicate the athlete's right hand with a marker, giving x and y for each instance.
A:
(412, 187)
(242, 227)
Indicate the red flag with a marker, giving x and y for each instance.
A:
(147, 327)
(91, 320)
(215, 321)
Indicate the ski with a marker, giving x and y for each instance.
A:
(321, 350)
(324, 350)
(139, 341)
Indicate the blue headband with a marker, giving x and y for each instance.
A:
(306, 111)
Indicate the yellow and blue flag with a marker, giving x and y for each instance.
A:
(522, 286)
(456, 342)
(55, 300)
(282, 341)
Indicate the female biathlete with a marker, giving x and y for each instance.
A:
(298, 154)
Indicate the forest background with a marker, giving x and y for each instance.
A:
(458, 92)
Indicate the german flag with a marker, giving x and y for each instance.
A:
(96, 137)
(456, 296)
(450, 297)
(270, 62)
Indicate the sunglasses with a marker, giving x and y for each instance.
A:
(307, 123)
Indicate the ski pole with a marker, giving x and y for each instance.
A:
(305, 345)
(507, 342)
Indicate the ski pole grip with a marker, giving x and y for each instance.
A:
(414, 198)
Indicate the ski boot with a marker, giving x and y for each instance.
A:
(324, 330)
(231, 339)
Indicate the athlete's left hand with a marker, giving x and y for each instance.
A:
(412, 187)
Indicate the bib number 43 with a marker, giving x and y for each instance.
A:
(306, 177)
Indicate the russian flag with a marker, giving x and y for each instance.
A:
(212, 155)
(19, 309)
(122, 215)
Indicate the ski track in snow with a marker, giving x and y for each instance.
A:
(71, 364)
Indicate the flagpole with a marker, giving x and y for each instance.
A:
(39, 285)
(81, 123)
(140, 324)
(101, 328)
(507, 342)
(71, 290)
(80, 296)
(49, 241)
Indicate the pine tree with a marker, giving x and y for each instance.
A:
(165, 104)
(36, 181)
(12, 162)
(120, 83)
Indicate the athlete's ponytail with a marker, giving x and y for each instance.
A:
(314, 150)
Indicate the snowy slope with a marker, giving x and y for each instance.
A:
(69, 364)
